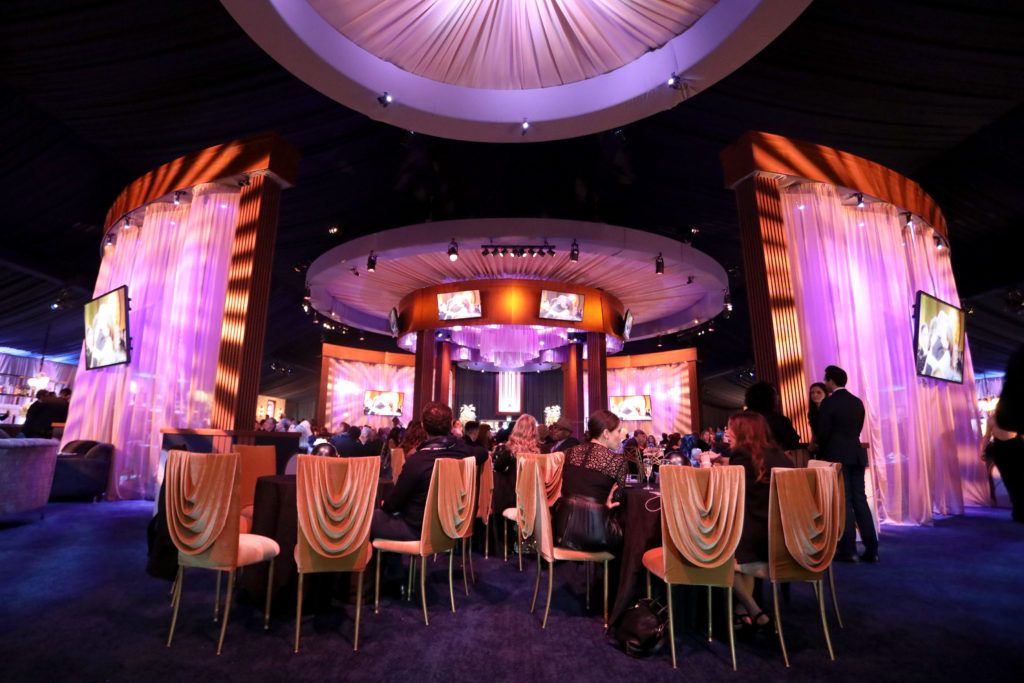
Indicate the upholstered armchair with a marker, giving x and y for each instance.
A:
(82, 472)
(26, 474)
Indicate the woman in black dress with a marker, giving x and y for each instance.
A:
(758, 454)
(815, 395)
(590, 477)
(764, 399)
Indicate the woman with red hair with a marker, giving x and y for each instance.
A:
(754, 449)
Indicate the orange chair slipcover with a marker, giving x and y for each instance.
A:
(397, 462)
(841, 492)
(254, 462)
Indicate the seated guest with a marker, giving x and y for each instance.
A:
(753, 448)
(591, 476)
(521, 441)
(347, 443)
(401, 516)
(762, 398)
(36, 425)
(368, 444)
(524, 437)
(674, 450)
(484, 438)
(412, 438)
(470, 432)
(467, 445)
(561, 439)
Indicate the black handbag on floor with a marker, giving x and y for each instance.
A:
(640, 630)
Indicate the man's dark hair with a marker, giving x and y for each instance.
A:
(437, 419)
(760, 397)
(354, 432)
(65, 392)
(472, 424)
(837, 375)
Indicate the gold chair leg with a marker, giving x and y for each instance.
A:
(671, 623)
(465, 566)
(824, 621)
(451, 582)
(376, 586)
(778, 622)
(487, 540)
(835, 601)
(605, 578)
(647, 578)
(469, 554)
(298, 613)
(709, 614)
(519, 542)
(227, 611)
(270, 595)
(551, 587)
(728, 620)
(412, 576)
(504, 532)
(176, 601)
(174, 589)
(536, 585)
(423, 588)
(216, 598)
(586, 570)
(359, 610)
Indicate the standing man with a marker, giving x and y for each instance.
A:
(840, 421)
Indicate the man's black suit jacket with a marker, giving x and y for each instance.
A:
(409, 497)
(840, 421)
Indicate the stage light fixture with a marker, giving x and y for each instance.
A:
(177, 197)
(385, 99)
(659, 342)
(333, 230)
(659, 265)
(689, 279)
(128, 222)
(551, 251)
(371, 262)
(800, 207)
(860, 200)
(109, 242)
(727, 302)
(531, 252)
(503, 252)
(305, 308)
(453, 250)
(525, 126)
(574, 251)
(674, 82)
(910, 220)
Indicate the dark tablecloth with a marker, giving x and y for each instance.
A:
(641, 530)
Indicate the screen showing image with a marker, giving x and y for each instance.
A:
(393, 322)
(106, 330)
(939, 339)
(630, 407)
(383, 402)
(561, 306)
(459, 305)
(627, 328)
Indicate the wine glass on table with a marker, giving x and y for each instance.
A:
(648, 465)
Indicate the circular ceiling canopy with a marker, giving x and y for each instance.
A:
(619, 261)
(512, 70)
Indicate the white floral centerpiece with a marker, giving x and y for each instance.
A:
(467, 413)
(551, 414)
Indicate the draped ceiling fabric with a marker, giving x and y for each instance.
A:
(855, 274)
(347, 383)
(510, 44)
(175, 266)
(670, 392)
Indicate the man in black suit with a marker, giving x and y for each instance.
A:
(840, 421)
(401, 516)
(347, 443)
(560, 434)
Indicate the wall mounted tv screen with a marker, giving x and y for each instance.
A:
(459, 305)
(561, 306)
(938, 339)
(106, 330)
(630, 407)
(387, 403)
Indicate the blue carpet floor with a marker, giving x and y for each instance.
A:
(945, 604)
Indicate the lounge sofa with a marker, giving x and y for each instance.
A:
(82, 471)
(26, 474)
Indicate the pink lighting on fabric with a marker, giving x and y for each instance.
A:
(854, 293)
(347, 383)
(510, 393)
(510, 346)
(175, 264)
(668, 387)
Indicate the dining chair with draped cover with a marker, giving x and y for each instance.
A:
(335, 498)
(448, 513)
(803, 529)
(841, 492)
(397, 462)
(701, 525)
(202, 499)
(551, 466)
(253, 462)
(535, 520)
(484, 507)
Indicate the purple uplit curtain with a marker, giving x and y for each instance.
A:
(347, 383)
(855, 273)
(668, 387)
(176, 267)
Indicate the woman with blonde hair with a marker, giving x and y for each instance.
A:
(524, 437)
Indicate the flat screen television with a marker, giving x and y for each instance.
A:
(106, 330)
(938, 339)
(627, 327)
(387, 403)
(630, 407)
(459, 305)
(561, 306)
(393, 322)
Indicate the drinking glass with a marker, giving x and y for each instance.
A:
(648, 469)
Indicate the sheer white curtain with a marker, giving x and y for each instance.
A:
(347, 383)
(855, 274)
(175, 266)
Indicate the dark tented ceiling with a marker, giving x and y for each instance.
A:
(93, 94)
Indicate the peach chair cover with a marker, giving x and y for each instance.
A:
(551, 465)
(253, 462)
(397, 462)
(841, 487)
(803, 523)
(456, 493)
(530, 492)
(335, 499)
(485, 493)
(202, 507)
(702, 520)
